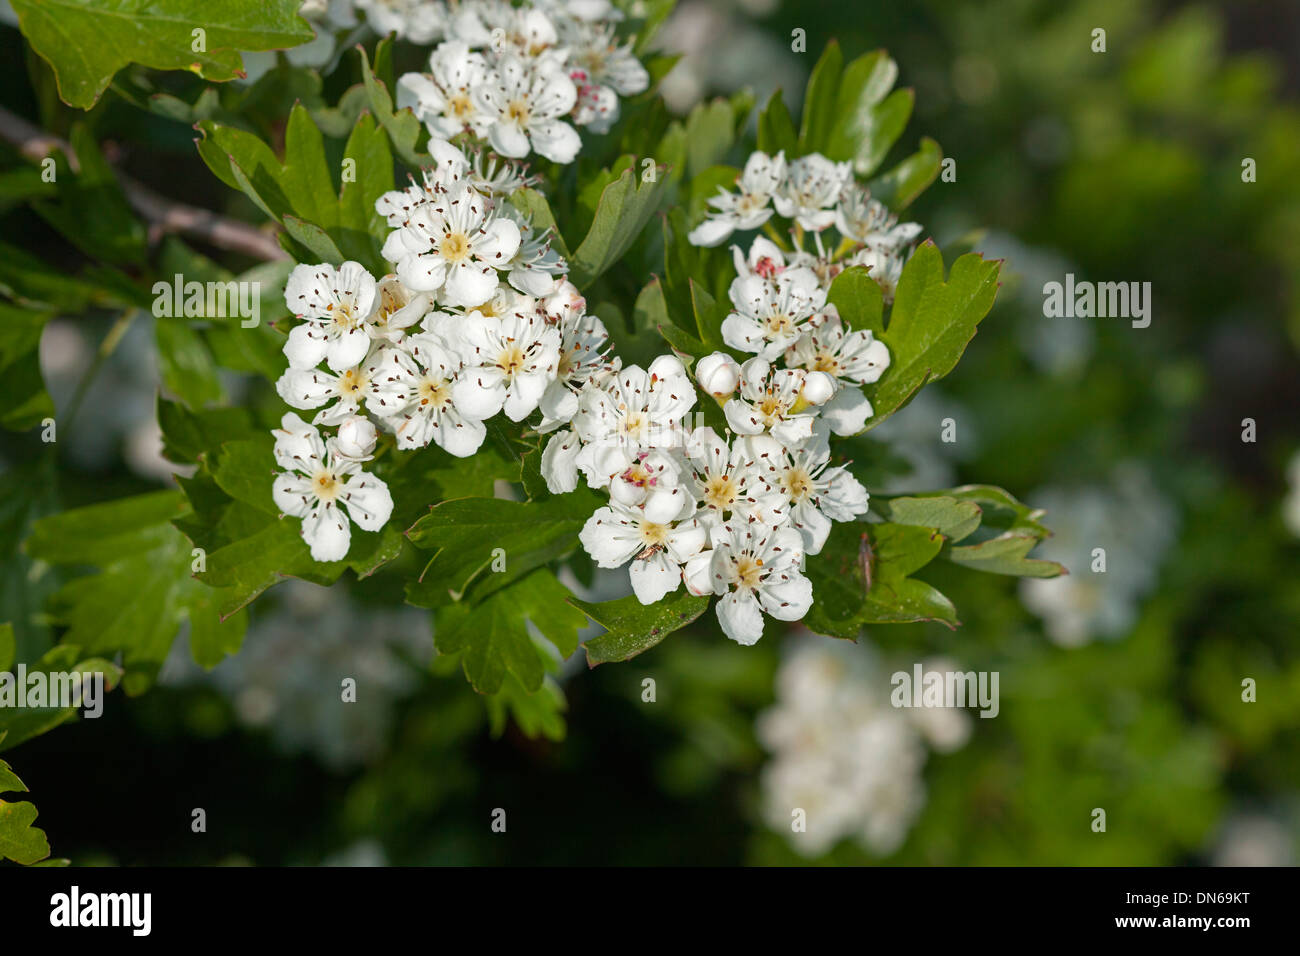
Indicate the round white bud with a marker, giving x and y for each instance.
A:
(356, 438)
(718, 374)
(818, 387)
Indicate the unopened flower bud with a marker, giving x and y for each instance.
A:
(565, 303)
(356, 438)
(718, 374)
(818, 387)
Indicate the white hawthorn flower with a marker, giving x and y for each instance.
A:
(764, 259)
(868, 221)
(584, 341)
(412, 391)
(324, 489)
(637, 408)
(307, 388)
(770, 401)
(847, 355)
(443, 98)
(882, 264)
(602, 70)
(816, 494)
(748, 208)
(810, 190)
(397, 308)
(730, 482)
(619, 533)
(526, 104)
(509, 362)
(650, 480)
(451, 166)
(770, 314)
(454, 245)
(356, 438)
(755, 569)
(335, 305)
(420, 21)
(526, 32)
(535, 268)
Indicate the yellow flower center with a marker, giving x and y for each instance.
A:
(511, 359)
(325, 485)
(454, 246)
(748, 572)
(352, 383)
(798, 484)
(720, 492)
(634, 425)
(653, 535)
(434, 391)
(828, 363)
(461, 106)
(344, 315)
(777, 324)
(517, 111)
(772, 409)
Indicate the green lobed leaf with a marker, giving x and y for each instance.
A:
(19, 840)
(954, 518)
(864, 84)
(20, 724)
(632, 628)
(819, 102)
(776, 128)
(24, 402)
(87, 41)
(470, 535)
(492, 636)
(402, 127)
(902, 184)
(859, 300)
(931, 324)
(144, 589)
(843, 600)
(624, 209)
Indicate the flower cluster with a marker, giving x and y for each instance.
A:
(842, 754)
(732, 516)
(813, 194)
(522, 77)
(477, 318)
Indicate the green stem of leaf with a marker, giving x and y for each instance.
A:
(106, 348)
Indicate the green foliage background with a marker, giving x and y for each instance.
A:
(1127, 165)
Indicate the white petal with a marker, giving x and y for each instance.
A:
(328, 533)
(559, 463)
(476, 396)
(787, 600)
(654, 577)
(470, 284)
(847, 411)
(557, 141)
(368, 502)
(292, 494)
(306, 346)
(740, 617)
(712, 232)
(607, 540)
(347, 350)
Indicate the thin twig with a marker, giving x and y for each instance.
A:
(163, 215)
